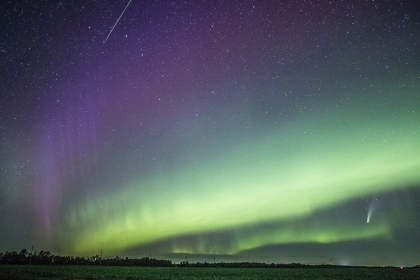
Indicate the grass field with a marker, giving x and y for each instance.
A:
(113, 272)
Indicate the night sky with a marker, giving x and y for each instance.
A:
(280, 131)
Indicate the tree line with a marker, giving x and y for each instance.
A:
(45, 257)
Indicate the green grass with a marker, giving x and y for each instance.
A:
(113, 272)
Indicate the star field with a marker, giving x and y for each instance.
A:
(249, 130)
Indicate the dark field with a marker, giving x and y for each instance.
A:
(113, 272)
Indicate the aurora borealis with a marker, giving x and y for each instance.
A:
(254, 130)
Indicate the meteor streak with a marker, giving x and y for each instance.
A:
(117, 21)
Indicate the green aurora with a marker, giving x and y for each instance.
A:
(285, 177)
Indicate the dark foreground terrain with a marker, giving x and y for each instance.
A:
(114, 272)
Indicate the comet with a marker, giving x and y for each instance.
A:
(372, 207)
(112, 29)
(368, 215)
